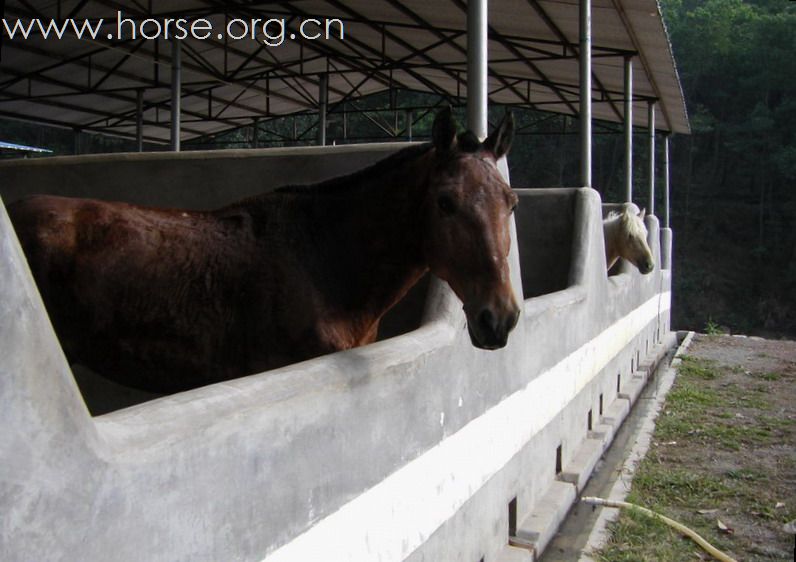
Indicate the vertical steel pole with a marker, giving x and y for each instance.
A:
(477, 61)
(255, 131)
(409, 118)
(139, 120)
(666, 181)
(176, 92)
(651, 132)
(585, 93)
(323, 97)
(628, 129)
(395, 123)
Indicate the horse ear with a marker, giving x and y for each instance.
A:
(641, 213)
(499, 142)
(443, 131)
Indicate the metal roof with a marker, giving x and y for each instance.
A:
(21, 147)
(92, 84)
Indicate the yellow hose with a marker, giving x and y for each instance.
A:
(709, 548)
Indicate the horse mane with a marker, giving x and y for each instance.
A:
(629, 223)
(466, 142)
(348, 182)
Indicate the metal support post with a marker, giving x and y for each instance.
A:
(651, 132)
(323, 97)
(666, 181)
(628, 129)
(477, 61)
(139, 120)
(585, 93)
(176, 93)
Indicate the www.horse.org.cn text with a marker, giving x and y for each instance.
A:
(272, 32)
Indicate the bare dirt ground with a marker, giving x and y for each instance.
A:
(723, 459)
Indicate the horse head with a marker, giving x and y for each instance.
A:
(467, 215)
(633, 239)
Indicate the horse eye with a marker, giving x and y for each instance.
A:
(446, 204)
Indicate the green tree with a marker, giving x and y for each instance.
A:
(738, 70)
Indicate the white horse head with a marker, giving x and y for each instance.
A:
(626, 237)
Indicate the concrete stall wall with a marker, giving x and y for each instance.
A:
(411, 448)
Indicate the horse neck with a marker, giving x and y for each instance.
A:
(611, 233)
(372, 237)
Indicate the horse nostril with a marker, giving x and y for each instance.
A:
(487, 321)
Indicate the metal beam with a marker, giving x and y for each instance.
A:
(568, 46)
(17, 116)
(666, 186)
(585, 92)
(115, 93)
(323, 100)
(477, 60)
(139, 120)
(651, 133)
(628, 129)
(646, 65)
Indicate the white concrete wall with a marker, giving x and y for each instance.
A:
(407, 449)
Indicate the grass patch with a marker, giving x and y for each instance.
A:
(738, 399)
(776, 423)
(748, 474)
(688, 397)
(722, 453)
(770, 376)
(692, 367)
(638, 538)
(656, 485)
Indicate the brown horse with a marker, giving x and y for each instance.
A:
(166, 300)
(626, 237)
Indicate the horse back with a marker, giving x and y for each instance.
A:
(125, 281)
(58, 233)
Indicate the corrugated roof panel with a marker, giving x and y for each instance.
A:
(414, 44)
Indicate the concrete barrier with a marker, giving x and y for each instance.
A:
(417, 447)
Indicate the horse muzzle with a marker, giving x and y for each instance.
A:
(489, 329)
(646, 267)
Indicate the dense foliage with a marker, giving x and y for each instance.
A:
(733, 187)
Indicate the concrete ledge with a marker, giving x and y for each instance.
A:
(604, 433)
(616, 413)
(579, 470)
(515, 554)
(652, 361)
(551, 509)
(632, 389)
